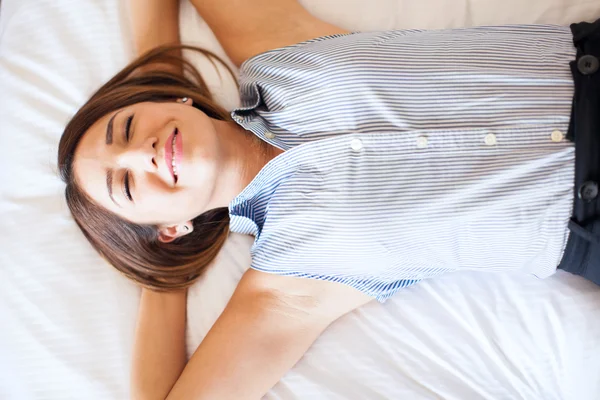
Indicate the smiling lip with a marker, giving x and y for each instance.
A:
(178, 155)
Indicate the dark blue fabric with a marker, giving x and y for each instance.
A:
(582, 254)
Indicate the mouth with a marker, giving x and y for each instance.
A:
(174, 154)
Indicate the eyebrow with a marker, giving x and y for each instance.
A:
(109, 172)
(109, 185)
(109, 128)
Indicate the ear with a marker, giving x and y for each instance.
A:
(185, 100)
(167, 234)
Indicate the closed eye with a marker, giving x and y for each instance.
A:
(128, 128)
(126, 187)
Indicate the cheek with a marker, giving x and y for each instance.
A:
(200, 136)
(152, 191)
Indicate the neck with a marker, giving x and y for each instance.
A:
(244, 155)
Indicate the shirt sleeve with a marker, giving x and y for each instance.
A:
(303, 236)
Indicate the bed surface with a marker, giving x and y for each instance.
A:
(68, 319)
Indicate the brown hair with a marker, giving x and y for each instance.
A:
(132, 248)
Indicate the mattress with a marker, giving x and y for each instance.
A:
(68, 318)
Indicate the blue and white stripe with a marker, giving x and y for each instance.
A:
(409, 154)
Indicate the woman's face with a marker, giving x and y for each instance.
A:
(150, 163)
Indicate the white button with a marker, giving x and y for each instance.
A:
(422, 142)
(490, 139)
(356, 144)
(269, 135)
(557, 136)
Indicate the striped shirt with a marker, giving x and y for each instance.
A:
(409, 154)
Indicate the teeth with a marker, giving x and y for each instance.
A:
(173, 159)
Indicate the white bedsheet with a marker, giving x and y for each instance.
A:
(67, 318)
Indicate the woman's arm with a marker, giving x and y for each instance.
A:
(265, 329)
(154, 23)
(159, 351)
(249, 27)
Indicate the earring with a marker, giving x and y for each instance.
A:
(184, 100)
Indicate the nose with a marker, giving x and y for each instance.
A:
(139, 156)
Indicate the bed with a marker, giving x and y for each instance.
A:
(67, 319)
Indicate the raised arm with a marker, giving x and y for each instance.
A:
(159, 350)
(265, 329)
(154, 23)
(249, 27)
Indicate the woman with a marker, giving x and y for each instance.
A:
(365, 162)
